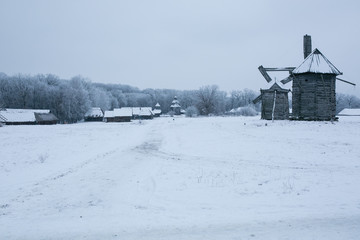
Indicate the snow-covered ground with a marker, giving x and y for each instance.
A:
(200, 178)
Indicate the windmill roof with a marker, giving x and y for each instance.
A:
(276, 87)
(316, 62)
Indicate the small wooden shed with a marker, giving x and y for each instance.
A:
(274, 103)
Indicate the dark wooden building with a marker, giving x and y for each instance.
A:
(175, 106)
(46, 118)
(313, 88)
(274, 103)
(157, 110)
(142, 113)
(118, 115)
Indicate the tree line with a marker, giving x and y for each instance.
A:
(70, 99)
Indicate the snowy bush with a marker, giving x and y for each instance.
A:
(191, 111)
(244, 111)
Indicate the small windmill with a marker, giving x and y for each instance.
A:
(274, 101)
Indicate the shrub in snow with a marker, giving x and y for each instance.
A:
(191, 111)
(244, 111)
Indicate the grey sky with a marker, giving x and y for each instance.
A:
(176, 44)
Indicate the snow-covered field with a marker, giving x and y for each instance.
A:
(201, 178)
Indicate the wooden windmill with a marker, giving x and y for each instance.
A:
(274, 101)
(313, 88)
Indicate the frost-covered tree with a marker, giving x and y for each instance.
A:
(208, 99)
(191, 111)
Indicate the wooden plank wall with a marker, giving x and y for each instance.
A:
(314, 97)
(281, 106)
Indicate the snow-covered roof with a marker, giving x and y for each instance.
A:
(157, 111)
(350, 112)
(94, 112)
(142, 111)
(123, 112)
(109, 114)
(45, 117)
(175, 105)
(22, 115)
(316, 62)
(157, 105)
(129, 112)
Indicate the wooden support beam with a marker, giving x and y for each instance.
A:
(342, 80)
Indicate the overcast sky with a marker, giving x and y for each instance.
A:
(176, 44)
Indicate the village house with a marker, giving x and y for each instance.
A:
(157, 110)
(27, 117)
(118, 115)
(95, 114)
(142, 113)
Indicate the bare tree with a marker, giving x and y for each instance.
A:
(207, 99)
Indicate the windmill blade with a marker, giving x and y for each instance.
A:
(286, 80)
(256, 100)
(264, 73)
(283, 69)
(342, 80)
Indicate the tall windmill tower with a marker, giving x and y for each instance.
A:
(313, 88)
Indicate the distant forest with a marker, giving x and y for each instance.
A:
(70, 99)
